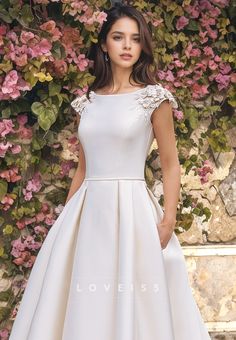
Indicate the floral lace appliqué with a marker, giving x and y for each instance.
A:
(79, 104)
(152, 97)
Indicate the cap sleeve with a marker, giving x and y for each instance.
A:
(153, 97)
(79, 104)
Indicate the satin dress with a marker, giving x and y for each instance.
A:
(101, 273)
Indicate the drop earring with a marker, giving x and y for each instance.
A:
(106, 56)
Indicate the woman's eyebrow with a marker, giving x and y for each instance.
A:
(123, 33)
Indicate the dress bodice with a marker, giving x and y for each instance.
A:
(116, 131)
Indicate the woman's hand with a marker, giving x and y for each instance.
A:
(165, 229)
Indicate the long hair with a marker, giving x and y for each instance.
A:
(144, 71)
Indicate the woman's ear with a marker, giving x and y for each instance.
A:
(103, 47)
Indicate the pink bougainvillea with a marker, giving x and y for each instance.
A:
(204, 171)
(11, 85)
(33, 185)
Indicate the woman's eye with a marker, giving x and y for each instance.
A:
(136, 39)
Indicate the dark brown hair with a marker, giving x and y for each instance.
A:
(142, 73)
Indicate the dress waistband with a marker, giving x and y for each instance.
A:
(114, 178)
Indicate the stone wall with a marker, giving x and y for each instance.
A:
(210, 247)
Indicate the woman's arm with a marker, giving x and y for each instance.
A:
(163, 126)
(79, 173)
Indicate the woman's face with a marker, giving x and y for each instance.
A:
(122, 38)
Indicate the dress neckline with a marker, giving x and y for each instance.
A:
(118, 94)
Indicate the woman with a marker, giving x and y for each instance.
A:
(111, 266)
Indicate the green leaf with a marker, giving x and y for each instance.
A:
(37, 143)
(38, 108)
(26, 15)
(58, 50)
(192, 25)
(3, 188)
(4, 313)
(4, 15)
(54, 88)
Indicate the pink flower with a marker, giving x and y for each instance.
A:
(17, 247)
(33, 185)
(7, 202)
(233, 77)
(11, 79)
(178, 114)
(212, 65)
(66, 167)
(4, 148)
(11, 86)
(40, 217)
(49, 220)
(26, 36)
(204, 171)
(21, 60)
(4, 334)
(208, 51)
(30, 261)
(42, 48)
(22, 119)
(16, 149)
(19, 261)
(203, 37)
(27, 195)
(41, 230)
(222, 80)
(169, 76)
(6, 127)
(45, 207)
(10, 175)
(193, 11)
(30, 220)
(205, 4)
(192, 52)
(161, 74)
(25, 133)
(30, 243)
(224, 68)
(100, 17)
(206, 21)
(217, 59)
(13, 37)
(20, 224)
(59, 209)
(60, 68)
(3, 29)
(211, 33)
(221, 3)
(48, 26)
(199, 91)
(181, 23)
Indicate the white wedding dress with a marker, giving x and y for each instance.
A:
(101, 273)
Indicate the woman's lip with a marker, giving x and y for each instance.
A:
(125, 56)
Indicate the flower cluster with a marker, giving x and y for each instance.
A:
(21, 250)
(33, 185)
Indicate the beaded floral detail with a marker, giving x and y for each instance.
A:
(79, 104)
(152, 97)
